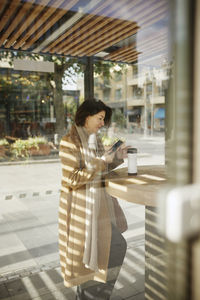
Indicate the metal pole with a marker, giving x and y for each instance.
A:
(89, 79)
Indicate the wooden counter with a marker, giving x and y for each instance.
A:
(141, 188)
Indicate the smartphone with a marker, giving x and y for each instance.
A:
(115, 146)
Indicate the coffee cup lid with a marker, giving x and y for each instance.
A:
(132, 150)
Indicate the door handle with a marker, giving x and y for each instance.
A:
(179, 212)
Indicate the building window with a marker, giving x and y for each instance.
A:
(149, 88)
(118, 76)
(135, 71)
(96, 81)
(118, 94)
(106, 82)
(137, 92)
(106, 94)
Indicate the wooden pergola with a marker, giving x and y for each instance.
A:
(83, 28)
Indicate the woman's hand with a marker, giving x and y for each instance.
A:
(108, 156)
(121, 152)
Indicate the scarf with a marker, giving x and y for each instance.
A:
(93, 196)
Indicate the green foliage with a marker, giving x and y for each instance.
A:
(108, 141)
(35, 141)
(3, 142)
(20, 148)
(105, 69)
(119, 118)
(66, 68)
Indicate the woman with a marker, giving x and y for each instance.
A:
(88, 237)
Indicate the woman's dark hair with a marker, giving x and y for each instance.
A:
(90, 108)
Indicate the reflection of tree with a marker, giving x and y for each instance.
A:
(61, 64)
(119, 118)
(52, 81)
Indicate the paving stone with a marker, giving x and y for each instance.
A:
(114, 296)
(55, 276)
(22, 297)
(13, 277)
(3, 278)
(16, 287)
(3, 291)
(140, 296)
(56, 296)
(128, 291)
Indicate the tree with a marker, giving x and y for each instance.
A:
(64, 68)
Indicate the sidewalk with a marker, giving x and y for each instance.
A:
(29, 262)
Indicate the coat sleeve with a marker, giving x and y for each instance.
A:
(74, 172)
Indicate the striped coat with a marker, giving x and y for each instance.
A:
(72, 213)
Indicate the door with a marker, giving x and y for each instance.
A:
(182, 153)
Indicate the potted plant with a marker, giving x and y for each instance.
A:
(38, 146)
(20, 148)
(31, 147)
(3, 147)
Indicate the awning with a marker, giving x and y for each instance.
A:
(160, 113)
(134, 112)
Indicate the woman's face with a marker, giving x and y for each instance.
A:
(95, 122)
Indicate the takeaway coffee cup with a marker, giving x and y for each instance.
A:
(132, 161)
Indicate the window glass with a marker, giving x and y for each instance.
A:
(53, 53)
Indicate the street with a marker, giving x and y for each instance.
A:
(46, 176)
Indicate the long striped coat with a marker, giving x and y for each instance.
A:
(72, 213)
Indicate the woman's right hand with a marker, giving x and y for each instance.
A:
(108, 156)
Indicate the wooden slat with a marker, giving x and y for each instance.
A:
(78, 26)
(91, 34)
(127, 60)
(107, 30)
(82, 33)
(10, 11)
(36, 11)
(50, 23)
(128, 57)
(3, 4)
(154, 12)
(77, 37)
(120, 51)
(25, 10)
(47, 14)
(131, 59)
(125, 56)
(119, 55)
(109, 41)
(92, 29)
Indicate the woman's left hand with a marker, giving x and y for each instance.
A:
(121, 152)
